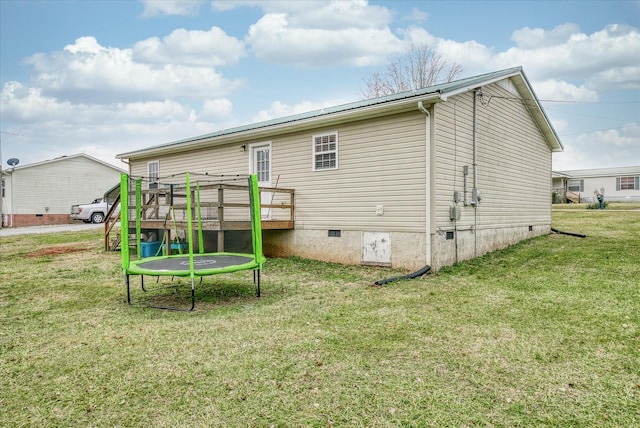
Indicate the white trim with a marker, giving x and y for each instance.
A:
(313, 150)
(149, 175)
(258, 145)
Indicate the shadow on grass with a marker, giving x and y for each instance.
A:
(210, 291)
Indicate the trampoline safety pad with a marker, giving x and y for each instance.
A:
(203, 264)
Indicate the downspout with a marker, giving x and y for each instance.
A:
(429, 165)
(429, 173)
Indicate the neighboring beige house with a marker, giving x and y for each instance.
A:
(426, 177)
(621, 184)
(43, 192)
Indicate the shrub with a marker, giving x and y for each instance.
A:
(596, 205)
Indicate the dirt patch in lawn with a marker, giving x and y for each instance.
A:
(55, 251)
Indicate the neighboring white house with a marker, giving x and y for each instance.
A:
(426, 177)
(620, 184)
(43, 192)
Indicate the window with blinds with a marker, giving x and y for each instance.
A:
(575, 185)
(628, 183)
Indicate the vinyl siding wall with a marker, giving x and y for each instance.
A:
(55, 185)
(513, 170)
(381, 163)
(591, 184)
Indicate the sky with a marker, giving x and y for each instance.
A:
(109, 77)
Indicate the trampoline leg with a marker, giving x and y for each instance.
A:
(193, 294)
(128, 292)
(256, 282)
(142, 283)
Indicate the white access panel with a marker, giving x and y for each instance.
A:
(376, 248)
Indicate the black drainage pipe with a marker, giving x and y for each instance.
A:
(579, 235)
(421, 272)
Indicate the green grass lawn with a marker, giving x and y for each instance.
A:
(543, 333)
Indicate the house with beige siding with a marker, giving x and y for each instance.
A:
(426, 177)
(619, 184)
(43, 192)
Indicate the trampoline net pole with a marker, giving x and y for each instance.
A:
(124, 221)
(138, 216)
(189, 225)
(256, 226)
(199, 213)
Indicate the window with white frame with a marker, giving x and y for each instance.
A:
(2, 189)
(325, 151)
(153, 169)
(262, 163)
(575, 185)
(628, 183)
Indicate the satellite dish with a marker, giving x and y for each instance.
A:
(13, 162)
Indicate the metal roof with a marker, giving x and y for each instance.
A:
(372, 107)
(62, 159)
(600, 172)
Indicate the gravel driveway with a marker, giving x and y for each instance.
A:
(52, 228)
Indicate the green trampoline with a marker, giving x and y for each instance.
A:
(187, 264)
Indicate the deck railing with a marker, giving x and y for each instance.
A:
(223, 207)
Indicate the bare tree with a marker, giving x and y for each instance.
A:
(419, 67)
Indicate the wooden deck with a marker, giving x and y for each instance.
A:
(222, 208)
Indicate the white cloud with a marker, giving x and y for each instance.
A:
(278, 109)
(319, 33)
(170, 7)
(559, 90)
(216, 109)
(273, 39)
(599, 149)
(317, 13)
(627, 136)
(87, 71)
(190, 48)
(49, 127)
(534, 38)
(565, 63)
(416, 15)
(564, 53)
(28, 106)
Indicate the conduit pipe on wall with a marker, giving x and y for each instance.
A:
(475, 196)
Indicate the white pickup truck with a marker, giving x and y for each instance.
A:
(95, 212)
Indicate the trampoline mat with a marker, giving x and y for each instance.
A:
(200, 262)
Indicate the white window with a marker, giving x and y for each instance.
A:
(262, 163)
(153, 169)
(325, 151)
(575, 185)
